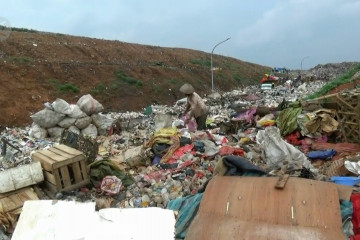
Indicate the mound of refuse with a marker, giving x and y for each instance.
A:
(83, 118)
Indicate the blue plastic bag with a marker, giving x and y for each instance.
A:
(325, 154)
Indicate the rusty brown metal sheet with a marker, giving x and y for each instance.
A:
(252, 208)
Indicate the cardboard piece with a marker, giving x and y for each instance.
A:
(251, 208)
(344, 192)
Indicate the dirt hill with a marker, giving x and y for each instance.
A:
(37, 67)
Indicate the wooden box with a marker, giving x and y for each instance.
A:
(64, 168)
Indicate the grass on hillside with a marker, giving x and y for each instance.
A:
(345, 78)
(129, 80)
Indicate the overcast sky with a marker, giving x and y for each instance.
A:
(275, 33)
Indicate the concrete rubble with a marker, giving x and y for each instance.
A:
(238, 121)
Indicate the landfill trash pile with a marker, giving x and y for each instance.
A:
(153, 159)
(81, 118)
(329, 71)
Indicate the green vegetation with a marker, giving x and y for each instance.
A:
(202, 62)
(345, 78)
(99, 89)
(174, 81)
(21, 59)
(23, 30)
(237, 77)
(67, 87)
(129, 80)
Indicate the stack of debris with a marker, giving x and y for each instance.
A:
(81, 118)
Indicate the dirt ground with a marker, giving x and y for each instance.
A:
(36, 68)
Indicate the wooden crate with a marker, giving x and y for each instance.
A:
(349, 114)
(64, 168)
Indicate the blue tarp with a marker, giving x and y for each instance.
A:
(187, 207)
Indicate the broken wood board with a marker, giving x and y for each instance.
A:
(16, 199)
(20, 177)
(280, 184)
(65, 220)
(251, 208)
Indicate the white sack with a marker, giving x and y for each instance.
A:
(89, 105)
(61, 106)
(49, 106)
(90, 131)
(102, 123)
(76, 112)
(37, 132)
(277, 150)
(82, 123)
(55, 132)
(47, 118)
(74, 129)
(67, 122)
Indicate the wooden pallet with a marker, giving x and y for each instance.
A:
(349, 114)
(64, 168)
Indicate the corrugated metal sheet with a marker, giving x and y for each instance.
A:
(251, 208)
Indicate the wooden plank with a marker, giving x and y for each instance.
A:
(84, 170)
(77, 172)
(343, 102)
(53, 156)
(324, 97)
(65, 176)
(77, 185)
(67, 149)
(280, 184)
(46, 163)
(51, 187)
(68, 161)
(49, 177)
(253, 209)
(61, 153)
(57, 179)
(347, 113)
(17, 198)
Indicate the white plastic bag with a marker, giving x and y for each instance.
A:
(162, 121)
(353, 167)
(278, 151)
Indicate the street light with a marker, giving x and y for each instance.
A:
(301, 64)
(212, 70)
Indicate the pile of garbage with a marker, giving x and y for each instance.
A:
(152, 159)
(81, 118)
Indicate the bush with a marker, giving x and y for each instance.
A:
(129, 80)
(69, 87)
(201, 62)
(99, 88)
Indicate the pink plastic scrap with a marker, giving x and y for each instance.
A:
(158, 175)
(111, 185)
(248, 115)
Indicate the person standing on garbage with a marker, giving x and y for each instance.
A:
(195, 106)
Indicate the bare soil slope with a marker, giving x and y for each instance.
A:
(38, 67)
